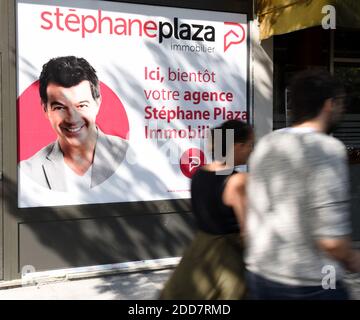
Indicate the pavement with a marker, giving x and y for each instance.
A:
(145, 285)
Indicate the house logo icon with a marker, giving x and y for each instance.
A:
(235, 35)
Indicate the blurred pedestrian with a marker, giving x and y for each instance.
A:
(212, 266)
(298, 228)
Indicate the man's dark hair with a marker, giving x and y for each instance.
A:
(308, 92)
(241, 130)
(68, 72)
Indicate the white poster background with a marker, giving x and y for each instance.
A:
(120, 61)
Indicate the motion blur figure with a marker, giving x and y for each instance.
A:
(212, 266)
(298, 228)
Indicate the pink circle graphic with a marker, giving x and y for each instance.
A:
(191, 160)
(35, 132)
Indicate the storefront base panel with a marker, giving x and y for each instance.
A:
(88, 242)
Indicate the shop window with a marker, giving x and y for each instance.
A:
(346, 67)
(293, 52)
(339, 52)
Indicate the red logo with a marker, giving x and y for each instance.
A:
(191, 160)
(235, 36)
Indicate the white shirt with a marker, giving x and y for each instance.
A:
(76, 182)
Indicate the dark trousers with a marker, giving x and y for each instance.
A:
(260, 288)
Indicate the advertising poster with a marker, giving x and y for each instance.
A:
(137, 130)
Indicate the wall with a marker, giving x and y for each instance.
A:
(262, 82)
(73, 236)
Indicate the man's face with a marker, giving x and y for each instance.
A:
(338, 108)
(72, 113)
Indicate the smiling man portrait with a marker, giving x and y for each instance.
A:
(83, 156)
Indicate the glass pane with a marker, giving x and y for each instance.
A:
(349, 128)
(347, 44)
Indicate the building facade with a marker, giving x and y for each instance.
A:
(282, 37)
(107, 235)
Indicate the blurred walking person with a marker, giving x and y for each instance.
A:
(298, 228)
(212, 266)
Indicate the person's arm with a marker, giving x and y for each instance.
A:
(340, 250)
(330, 199)
(234, 196)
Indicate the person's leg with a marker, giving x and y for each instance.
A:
(261, 288)
(257, 286)
(319, 293)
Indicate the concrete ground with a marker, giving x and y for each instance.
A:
(130, 286)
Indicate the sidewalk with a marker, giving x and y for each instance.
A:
(126, 286)
(145, 285)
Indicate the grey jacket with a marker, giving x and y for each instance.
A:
(46, 167)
